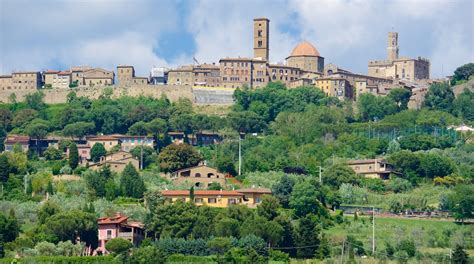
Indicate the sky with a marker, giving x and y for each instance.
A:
(53, 34)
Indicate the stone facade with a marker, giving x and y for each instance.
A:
(335, 86)
(21, 81)
(181, 76)
(200, 176)
(98, 77)
(126, 76)
(207, 75)
(235, 72)
(261, 38)
(396, 67)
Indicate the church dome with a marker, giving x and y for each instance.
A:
(304, 49)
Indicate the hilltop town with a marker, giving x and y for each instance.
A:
(304, 66)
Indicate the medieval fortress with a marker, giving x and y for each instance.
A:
(214, 83)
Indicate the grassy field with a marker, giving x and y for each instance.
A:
(219, 110)
(430, 236)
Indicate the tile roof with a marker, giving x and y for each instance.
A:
(255, 190)
(112, 220)
(201, 193)
(17, 139)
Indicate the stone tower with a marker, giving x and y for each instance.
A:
(261, 29)
(392, 48)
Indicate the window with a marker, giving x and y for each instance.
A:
(209, 175)
(211, 200)
(259, 33)
(197, 175)
(232, 201)
(109, 234)
(260, 43)
(198, 200)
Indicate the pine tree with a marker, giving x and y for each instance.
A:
(131, 183)
(459, 256)
(191, 194)
(4, 168)
(29, 188)
(49, 188)
(73, 156)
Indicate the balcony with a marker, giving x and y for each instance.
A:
(125, 234)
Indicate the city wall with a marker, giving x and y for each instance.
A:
(54, 96)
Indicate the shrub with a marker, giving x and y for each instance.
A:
(118, 245)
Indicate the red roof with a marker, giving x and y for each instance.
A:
(112, 220)
(51, 71)
(201, 193)
(104, 138)
(17, 139)
(64, 73)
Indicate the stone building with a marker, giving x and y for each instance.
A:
(126, 76)
(206, 75)
(62, 79)
(117, 162)
(261, 38)
(181, 76)
(98, 77)
(236, 72)
(48, 77)
(200, 176)
(335, 86)
(283, 73)
(21, 81)
(372, 168)
(77, 74)
(306, 57)
(396, 67)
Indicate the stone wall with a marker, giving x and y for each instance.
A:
(54, 96)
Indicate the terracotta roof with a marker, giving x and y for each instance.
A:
(64, 73)
(255, 190)
(112, 220)
(50, 71)
(136, 224)
(17, 139)
(366, 161)
(304, 49)
(201, 193)
(100, 138)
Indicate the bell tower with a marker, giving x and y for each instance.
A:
(261, 30)
(392, 48)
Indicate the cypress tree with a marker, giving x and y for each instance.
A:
(131, 183)
(4, 168)
(73, 156)
(49, 188)
(459, 256)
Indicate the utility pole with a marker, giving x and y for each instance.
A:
(373, 231)
(342, 252)
(141, 155)
(240, 153)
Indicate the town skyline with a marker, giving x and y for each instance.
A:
(426, 30)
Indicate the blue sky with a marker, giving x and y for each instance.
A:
(53, 34)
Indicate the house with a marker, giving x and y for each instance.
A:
(128, 142)
(12, 140)
(117, 161)
(210, 198)
(372, 168)
(250, 197)
(118, 226)
(253, 196)
(200, 176)
(109, 142)
(84, 151)
(176, 137)
(206, 138)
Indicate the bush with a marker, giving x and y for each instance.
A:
(276, 255)
(118, 245)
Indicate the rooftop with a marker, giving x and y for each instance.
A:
(304, 49)
(201, 193)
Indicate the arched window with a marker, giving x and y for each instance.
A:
(197, 175)
(209, 175)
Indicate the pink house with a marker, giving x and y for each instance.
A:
(118, 226)
(84, 151)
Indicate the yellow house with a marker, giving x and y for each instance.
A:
(250, 197)
(210, 198)
(253, 196)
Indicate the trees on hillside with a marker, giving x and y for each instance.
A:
(98, 151)
(463, 73)
(131, 183)
(78, 129)
(439, 97)
(73, 156)
(178, 156)
(461, 202)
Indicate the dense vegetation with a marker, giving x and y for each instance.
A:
(288, 136)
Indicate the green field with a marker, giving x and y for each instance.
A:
(430, 236)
